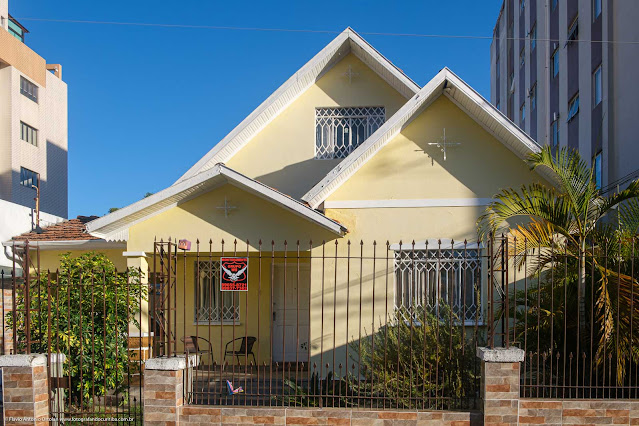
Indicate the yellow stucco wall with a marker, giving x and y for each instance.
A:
(253, 219)
(282, 154)
(50, 259)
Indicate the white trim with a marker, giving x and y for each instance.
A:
(444, 82)
(70, 244)
(118, 222)
(397, 203)
(134, 254)
(346, 42)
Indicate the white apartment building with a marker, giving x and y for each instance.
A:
(33, 134)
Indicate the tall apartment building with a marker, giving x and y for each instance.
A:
(565, 72)
(33, 123)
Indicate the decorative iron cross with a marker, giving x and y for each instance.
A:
(443, 144)
(226, 207)
(350, 74)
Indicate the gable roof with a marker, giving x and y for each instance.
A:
(461, 94)
(348, 41)
(115, 226)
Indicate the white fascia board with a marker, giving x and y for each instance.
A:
(407, 203)
(69, 244)
(288, 92)
(361, 155)
(117, 223)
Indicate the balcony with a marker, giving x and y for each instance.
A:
(16, 29)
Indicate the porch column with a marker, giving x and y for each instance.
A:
(500, 385)
(164, 388)
(140, 338)
(25, 390)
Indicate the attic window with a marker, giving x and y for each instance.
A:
(338, 131)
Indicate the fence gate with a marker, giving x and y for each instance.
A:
(85, 316)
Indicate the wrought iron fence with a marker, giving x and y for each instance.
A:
(573, 310)
(329, 324)
(86, 317)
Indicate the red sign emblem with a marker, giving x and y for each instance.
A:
(234, 274)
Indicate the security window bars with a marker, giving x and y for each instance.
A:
(28, 178)
(28, 89)
(425, 277)
(338, 131)
(211, 304)
(28, 133)
(573, 107)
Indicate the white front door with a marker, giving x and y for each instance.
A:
(290, 313)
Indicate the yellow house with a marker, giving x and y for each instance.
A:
(339, 189)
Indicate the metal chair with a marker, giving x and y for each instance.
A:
(246, 348)
(192, 346)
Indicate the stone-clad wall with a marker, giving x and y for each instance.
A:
(200, 415)
(578, 412)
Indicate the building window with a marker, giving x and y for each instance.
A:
(555, 132)
(498, 106)
(28, 89)
(338, 131)
(533, 97)
(522, 115)
(511, 82)
(28, 133)
(15, 29)
(522, 6)
(596, 9)
(596, 87)
(522, 56)
(573, 107)
(554, 63)
(212, 304)
(573, 31)
(426, 278)
(596, 162)
(28, 178)
(533, 37)
(554, 4)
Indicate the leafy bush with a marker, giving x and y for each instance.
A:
(83, 311)
(416, 357)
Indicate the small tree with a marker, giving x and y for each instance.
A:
(83, 310)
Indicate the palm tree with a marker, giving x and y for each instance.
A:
(567, 217)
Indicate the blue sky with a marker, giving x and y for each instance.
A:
(145, 103)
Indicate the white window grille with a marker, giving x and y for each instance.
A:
(452, 277)
(338, 131)
(211, 304)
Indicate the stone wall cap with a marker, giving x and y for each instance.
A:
(23, 360)
(172, 363)
(501, 354)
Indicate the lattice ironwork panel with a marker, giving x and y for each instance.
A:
(425, 277)
(338, 131)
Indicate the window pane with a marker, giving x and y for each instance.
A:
(340, 130)
(597, 89)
